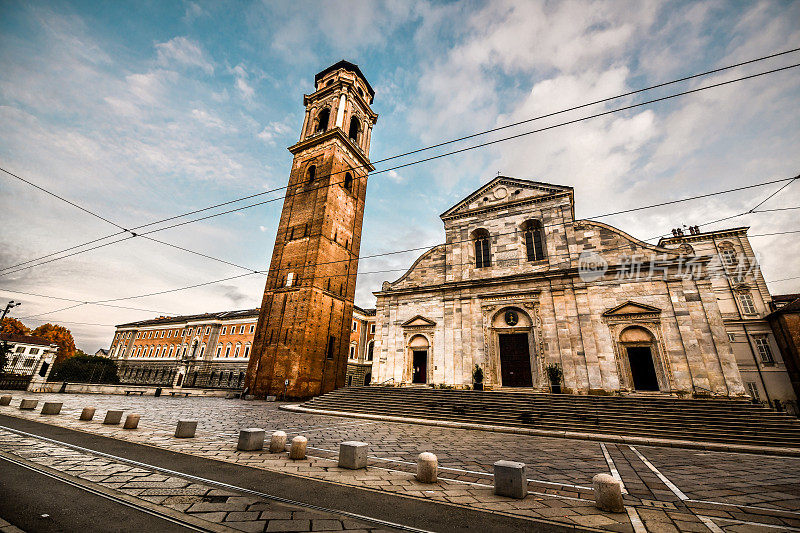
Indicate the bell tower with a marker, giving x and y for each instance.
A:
(303, 331)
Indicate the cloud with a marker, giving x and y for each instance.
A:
(245, 89)
(274, 130)
(185, 52)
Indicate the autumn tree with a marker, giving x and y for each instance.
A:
(57, 335)
(14, 327)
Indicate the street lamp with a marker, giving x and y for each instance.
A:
(9, 306)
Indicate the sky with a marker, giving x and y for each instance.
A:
(143, 110)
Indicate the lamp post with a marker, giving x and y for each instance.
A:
(9, 306)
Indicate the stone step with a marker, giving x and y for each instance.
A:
(717, 420)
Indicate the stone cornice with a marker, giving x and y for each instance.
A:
(703, 236)
(334, 133)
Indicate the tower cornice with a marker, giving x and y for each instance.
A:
(335, 133)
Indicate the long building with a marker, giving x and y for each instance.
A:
(211, 350)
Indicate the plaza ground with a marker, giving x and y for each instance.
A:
(666, 489)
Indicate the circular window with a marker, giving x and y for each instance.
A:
(500, 193)
(512, 318)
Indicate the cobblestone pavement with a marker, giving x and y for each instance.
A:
(668, 489)
(229, 509)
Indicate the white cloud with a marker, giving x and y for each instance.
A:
(273, 131)
(183, 51)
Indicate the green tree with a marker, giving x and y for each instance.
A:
(85, 369)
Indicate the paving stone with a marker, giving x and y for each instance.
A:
(288, 525)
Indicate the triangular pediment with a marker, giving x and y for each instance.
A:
(503, 190)
(632, 308)
(418, 320)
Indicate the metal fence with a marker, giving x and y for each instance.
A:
(18, 371)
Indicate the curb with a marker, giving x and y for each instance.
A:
(577, 435)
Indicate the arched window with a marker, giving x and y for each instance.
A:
(370, 350)
(247, 350)
(534, 240)
(219, 351)
(171, 346)
(483, 257)
(348, 181)
(228, 350)
(238, 349)
(158, 351)
(311, 174)
(322, 120)
(202, 350)
(355, 126)
(727, 254)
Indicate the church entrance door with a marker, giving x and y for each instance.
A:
(515, 360)
(642, 368)
(420, 366)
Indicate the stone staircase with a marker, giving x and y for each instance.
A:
(725, 421)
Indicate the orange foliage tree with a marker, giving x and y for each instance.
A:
(14, 326)
(57, 335)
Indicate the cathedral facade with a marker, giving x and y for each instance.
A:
(521, 287)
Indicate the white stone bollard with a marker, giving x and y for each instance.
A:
(277, 443)
(251, 439)
(607, 493)
(510, 479)
(298, 448)
(5, 400)
(131, 422)
(87, 413)
(186, 429)
(353, 455)
(51, 408)
(28, 405)
(113, 417)
(427, 468)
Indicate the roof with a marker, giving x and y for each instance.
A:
(542, 189)
(222, 315)
(365, 312)
(346, 65)
(25, 339)
(785, 297)
(793, 307)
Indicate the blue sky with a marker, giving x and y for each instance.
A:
(143, 110)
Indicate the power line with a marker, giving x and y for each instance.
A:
(303, 191)
(81, 301)
(574, 108)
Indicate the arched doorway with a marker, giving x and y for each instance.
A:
(419, 347)
(639, 348)
(513, 330)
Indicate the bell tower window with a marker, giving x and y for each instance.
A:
(311, 173)
(322, 120)
(348, 181)
(354, 128)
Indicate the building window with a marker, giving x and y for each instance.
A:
(331, 347)
(748, 307)
(34, 351)
(290, 279)
(483, 257)
(372, 328)
(252, 328)
(171, 347)
(247, 350)
(348, 181)
(732, 337)
(241, 329)
(370, 350)
(728, 256)
(752, 388)
(355, 325)
(20, 349)
(534, 240)
(311, 173)
(237, 350)
(762, 345)
(228, 350)
(222, 332)
(208, 330)
(219, 351)
(352, 351)
(202, 349)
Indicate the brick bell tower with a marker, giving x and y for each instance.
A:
(303, 331)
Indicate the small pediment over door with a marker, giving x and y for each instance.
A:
(632, 308)
(418, 321)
